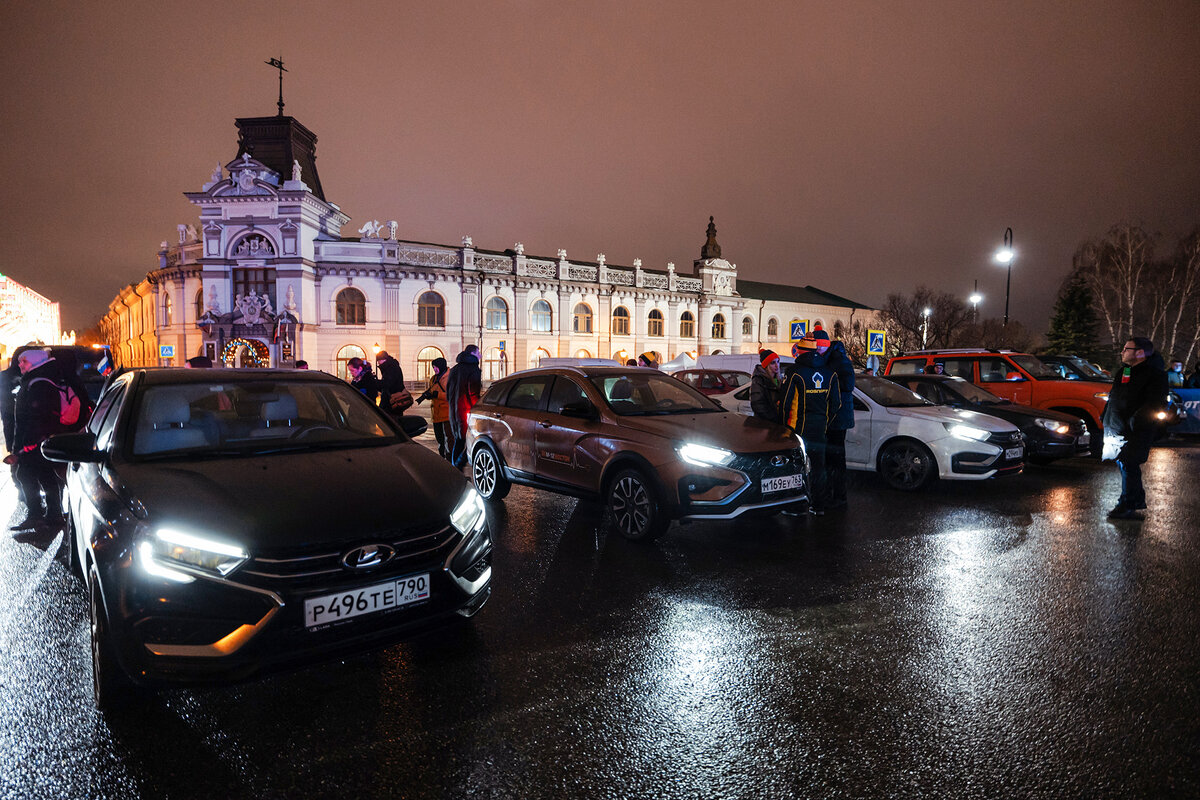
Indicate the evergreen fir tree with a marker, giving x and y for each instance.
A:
(1074, 325)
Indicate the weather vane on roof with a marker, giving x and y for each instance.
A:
(278, 64)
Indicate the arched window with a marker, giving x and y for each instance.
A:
(537, 356)
(583, 319)
(541, 318)
(345, 354)
(351, 307)
(772, 329)
(687, 325)
(581, 353)
(620, 324)
(747, 326)
(431, 311)
(718, 326)
(496, 316)
(495, 364)
(654, 323)
(425, 362)
(200, 302)
(168, 310)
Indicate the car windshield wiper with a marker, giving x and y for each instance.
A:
(172, 455)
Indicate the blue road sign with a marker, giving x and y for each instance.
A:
(799, 329)
(875, 343)
(166, 351)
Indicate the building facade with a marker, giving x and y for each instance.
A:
(268, 276)
(26, 316)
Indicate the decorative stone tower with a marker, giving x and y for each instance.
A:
(719, 277)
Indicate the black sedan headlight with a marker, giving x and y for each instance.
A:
(176, 555)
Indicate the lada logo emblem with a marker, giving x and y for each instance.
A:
(369, 556)
(779, 460)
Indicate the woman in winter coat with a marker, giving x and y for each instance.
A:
(362, 378)
(765, 388)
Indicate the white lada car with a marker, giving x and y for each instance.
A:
(910, 441)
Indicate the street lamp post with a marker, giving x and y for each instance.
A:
(1005, 255)
(925, 327)
(975, 299)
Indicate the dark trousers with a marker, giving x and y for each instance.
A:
(835, 467)
(1133, 494)
(37, 475)
(441, 431)
(818, 489)
(458, 451)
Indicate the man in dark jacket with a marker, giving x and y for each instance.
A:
(765, 388)
(842, 421)
(37, 417)
(811, 400)
(391, 380)
(1138, 393)
(462, 388)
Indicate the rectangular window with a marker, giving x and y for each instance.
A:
(260, 280)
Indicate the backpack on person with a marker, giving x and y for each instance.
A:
(69, 408)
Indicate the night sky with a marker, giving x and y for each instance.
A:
(860, 147)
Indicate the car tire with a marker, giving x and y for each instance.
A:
(634, 503)
(906, 465)
(488, 474)
(111, 688)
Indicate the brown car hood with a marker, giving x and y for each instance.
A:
(734, 432)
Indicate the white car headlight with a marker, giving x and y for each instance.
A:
(1101, 396)
(1053, 425)
(469, 515)
(705, 456)
(168, 548)
(966, 431)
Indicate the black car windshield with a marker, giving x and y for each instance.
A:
(888, 394)
(971, 393)
(643, 393)
(231, 418)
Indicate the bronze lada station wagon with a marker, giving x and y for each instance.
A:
(651, 447)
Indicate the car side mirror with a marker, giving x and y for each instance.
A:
(72, 447)
(412, 425)
(580, 409)
(1013, 376)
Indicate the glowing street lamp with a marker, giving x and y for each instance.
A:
(1005, 255)
(975, 299)
(925, 327)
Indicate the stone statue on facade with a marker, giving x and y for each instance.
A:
(370, 229)
(296, 170)
(393, 226)
(255, 308)
(467, 241)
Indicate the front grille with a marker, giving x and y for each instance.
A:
(758, 465)
(294, 569)
(1006, 439)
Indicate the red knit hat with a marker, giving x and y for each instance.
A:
(767, 356)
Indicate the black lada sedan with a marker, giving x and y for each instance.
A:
(230, 521)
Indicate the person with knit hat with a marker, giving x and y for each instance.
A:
(811, 400)
(648, 359)
(765, 387)
(37, 414)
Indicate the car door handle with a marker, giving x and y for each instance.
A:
(545, 423)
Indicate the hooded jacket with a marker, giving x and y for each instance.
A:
(463, 389)
(841, 364)
(1132, 405)
(36, 411)
(811, 396)
(765, 393)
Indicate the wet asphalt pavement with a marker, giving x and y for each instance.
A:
(974, 640)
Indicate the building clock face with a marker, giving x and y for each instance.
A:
(246, 180)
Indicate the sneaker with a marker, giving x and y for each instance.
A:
(1122, 511)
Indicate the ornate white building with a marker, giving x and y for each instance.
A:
(26, 316)
(267, 277)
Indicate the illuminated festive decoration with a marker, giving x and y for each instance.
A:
(253, 353)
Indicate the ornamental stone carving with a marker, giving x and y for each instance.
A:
(370, 229)
(254, 246)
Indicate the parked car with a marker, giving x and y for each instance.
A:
(1019, 377)
(910, 442)
(711, 381)
(230, 521)
(651, 447)
(1049, 435)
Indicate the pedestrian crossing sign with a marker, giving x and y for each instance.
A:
(875, 342)
(799, 329)
(166, 351)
